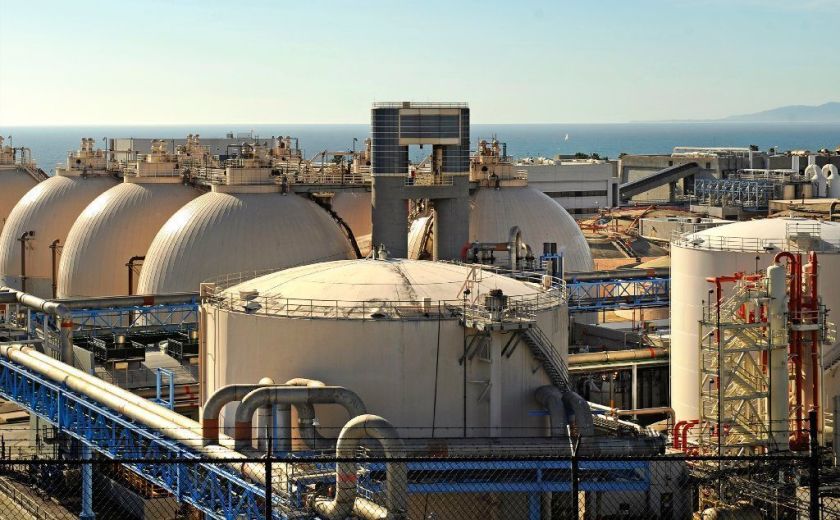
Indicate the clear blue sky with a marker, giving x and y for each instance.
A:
(311, 61)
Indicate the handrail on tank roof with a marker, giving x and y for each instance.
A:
(419, 104)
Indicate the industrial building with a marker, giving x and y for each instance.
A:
(417, 340)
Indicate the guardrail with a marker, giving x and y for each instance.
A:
(798, 243)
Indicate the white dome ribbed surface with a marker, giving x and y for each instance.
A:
(118, 225)
(14, 183)
(396, 280)
(220, 233)
(539, 217)
(49, 210)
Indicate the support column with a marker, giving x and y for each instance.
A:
(390, 215)
(452, 227)
(87, 485)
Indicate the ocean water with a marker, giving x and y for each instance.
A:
(50, 144)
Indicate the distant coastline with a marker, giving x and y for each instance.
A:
(825, 113)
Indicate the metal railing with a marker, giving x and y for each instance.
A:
(518, 308)
(754, 244)
(413, 104)
(429, 179)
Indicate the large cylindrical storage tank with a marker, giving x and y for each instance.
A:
(117, 226)
(14, 183)
(389, 331)
(45, 214)
(354, 208)
(725, 250)
(220, 233)
(539, 217)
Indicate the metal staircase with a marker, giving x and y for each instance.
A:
(544, 352)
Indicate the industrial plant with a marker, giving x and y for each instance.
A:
(229, 328)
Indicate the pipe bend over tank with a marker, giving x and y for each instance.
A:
(213, 407)
(584, 422)
(291, 395)
(346, 503)
(551, 398)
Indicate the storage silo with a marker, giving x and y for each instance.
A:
(243, 224)
(17, 176)
(38, 225)
(355, 209)
(389, 330)
(725, 250)
(540, 218)
(114, 231)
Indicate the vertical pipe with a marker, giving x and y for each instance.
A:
(815, 343)
(87, 486)
(54, 252)
(778, 359)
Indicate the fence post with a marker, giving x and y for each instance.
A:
(575, 477)
(268, 485)
(814, 467)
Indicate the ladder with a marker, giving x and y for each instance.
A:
(544, 352)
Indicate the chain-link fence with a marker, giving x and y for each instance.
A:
(310, 485)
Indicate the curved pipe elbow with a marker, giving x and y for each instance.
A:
(584, 422)
(396, 482)
(551, 398)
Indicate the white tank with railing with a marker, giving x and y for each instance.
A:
(390, 330)
(724, 250)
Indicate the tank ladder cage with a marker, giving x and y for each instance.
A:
(214, 489)
(734, 387)
(586, 296)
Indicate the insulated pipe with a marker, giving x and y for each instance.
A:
(617, 355)
(60, 311)
(551, 398)
(265, 421)
(584, 422)
(618, 274)
(213, 407)
(815, 336)
(152, 416)
(778, 358)
(346, 503)
(795, 347)
(310, 435)
(833, 205)
(290, 395)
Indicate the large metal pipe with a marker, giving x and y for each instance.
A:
(152, 415)
(584, 423)
(346, 503)
(59, 310)
(551, 398)
(213, 408)
(618, 274)
(778, 358)
(639, 354)
(106, 302)
(290, 395)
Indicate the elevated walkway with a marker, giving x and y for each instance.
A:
(665, 176)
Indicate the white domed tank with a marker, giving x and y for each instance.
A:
(354, 208)
(118, 225)
(45, 215)
(725, 250)
(388, 330)
(220, 233)
(539, 217)
(14, 183)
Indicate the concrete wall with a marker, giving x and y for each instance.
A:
(580, 187)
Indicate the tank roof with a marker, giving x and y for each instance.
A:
(766, 235)
(343, 288)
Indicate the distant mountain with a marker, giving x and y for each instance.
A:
(825, 113)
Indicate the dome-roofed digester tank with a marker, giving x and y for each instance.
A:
(18, 174)
(540, 218)
(115, 230)
(355, 209)
(389, 331)
(38, 225)
(725, 250)
(243, 224)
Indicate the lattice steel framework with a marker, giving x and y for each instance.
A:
(734, 387)
(734, 192)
